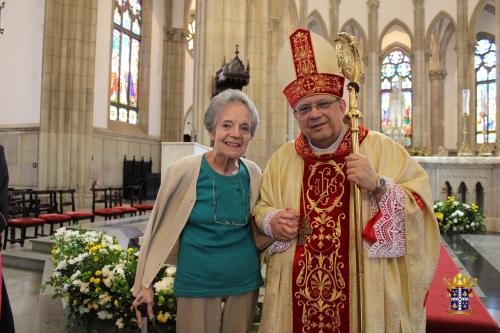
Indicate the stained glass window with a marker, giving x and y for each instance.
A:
(126, 43)
(191, 33)
(485, 65)
(396, 97)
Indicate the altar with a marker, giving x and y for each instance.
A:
(469, 179)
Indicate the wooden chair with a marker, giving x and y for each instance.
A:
(102, 196)
(19, 219)
(135, 194)
(47, 204)
(117, 201)
(67, 199)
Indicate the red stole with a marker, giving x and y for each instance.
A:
(320, 281)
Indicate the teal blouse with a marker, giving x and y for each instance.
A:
(217, 255)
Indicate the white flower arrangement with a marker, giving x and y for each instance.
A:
(94, 276)
(458, 217)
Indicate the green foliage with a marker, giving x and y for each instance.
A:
(417, 152)
(94, 276)
(456, 217)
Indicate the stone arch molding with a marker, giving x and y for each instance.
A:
(475, 16)
(438, 37)
(352, 27)
(389, 26)
(316, 18)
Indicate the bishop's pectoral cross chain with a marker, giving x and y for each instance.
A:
(304, 231)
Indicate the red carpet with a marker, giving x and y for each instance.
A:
(438, 301)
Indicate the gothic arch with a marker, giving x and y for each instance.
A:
(316, 20)
(388, 27)
(481, 5)
(439, 34)
(352, 27)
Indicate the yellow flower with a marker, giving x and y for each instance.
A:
(93, 306)
(91, 280)
(162, 318)
(439, 216)
(97, 280)
(130, 250)
(117, 304)
(97, 273)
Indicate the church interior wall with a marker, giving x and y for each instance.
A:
(102, 64)
(21, 62)
(109, 149)
(486, 23)
(188, 82)
(391, 9)
(451, 141)
(356, 9)
(433, 8)
(156, 79)
(472, 5)
(316, 23)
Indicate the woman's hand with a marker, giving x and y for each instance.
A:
(285, 225)
(144, 296)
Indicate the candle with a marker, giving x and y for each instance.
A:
(465, 101)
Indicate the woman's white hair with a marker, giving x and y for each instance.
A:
(225, 98)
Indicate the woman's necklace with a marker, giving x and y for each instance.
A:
(214, 202)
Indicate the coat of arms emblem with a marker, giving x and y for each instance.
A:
(460, 290)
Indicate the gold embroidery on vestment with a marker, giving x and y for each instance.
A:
(320, 281)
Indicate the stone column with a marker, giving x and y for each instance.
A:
(334, 18)
(420, 132)
(67, 94)
(437, 97)
(497, 43)
(372, 107)
(220, 26)
(173, 84)
(303, 13)
(463, 74)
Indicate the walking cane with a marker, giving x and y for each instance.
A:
(350, 63)
(143, 308)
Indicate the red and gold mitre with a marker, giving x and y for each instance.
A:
(308, 66)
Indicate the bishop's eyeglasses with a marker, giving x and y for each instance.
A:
(321, 105)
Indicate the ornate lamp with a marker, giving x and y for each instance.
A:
(232, 75)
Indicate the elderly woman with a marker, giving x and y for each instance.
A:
(205, 203)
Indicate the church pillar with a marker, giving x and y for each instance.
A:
(371, 113)
(303, 13)
(437, 122)
(334, 18)
(67, 94)
(173, 84)
(220, 26)
(420, 130)
(497, 43)
(463, 57)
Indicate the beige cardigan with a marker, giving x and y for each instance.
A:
(174, 203)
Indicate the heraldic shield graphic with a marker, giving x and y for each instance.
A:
(460, 290)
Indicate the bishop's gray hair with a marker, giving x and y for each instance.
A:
(225, 98)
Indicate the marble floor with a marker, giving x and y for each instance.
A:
(476, 255)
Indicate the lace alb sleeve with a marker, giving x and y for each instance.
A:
(384, 235)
